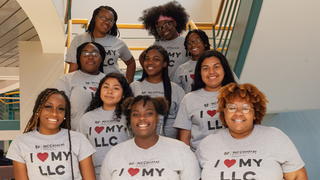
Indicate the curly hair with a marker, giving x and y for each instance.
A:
(97, 102)
(172, 9)
(160, 104)
(114, 29)
(42, 98)
(249, 93)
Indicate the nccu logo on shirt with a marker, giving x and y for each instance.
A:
(239, 163)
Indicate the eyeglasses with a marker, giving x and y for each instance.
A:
(232, 108)
(87, 54)
(196, 41)
(165, 24)
(105, 19)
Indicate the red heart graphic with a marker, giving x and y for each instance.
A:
(42, 156)
(192, 76)
(229, 162)
(93, 89)
(98, 129)
(212, 112)
(133, 171)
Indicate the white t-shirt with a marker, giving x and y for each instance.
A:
(184, 75)
(177, 53)
(265, 154)
(103, 132)
(198, 113)
(115, 49)
(168, 159)
(156, 90)
(48, 157)
(80, 87)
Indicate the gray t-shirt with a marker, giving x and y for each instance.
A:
(177, 53)
(47, 157)
(184, 75)
(80, 87)
(168, 159)
(198, 113)
(156, 90)
(103, 132)
(115, 49)
(265, 154)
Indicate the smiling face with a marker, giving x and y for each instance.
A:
(239, 117)
(195, 45)
(167, 29)
(212, 73)
(111, 93)
(154, 63)
(103, 22)
(52, 114)
(90, 59)
(143, 120)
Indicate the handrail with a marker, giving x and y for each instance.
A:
(190, 24)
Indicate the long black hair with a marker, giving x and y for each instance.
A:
(203, 36)
(172, 9)
(96, 101)
(114, 29)
(165, 77)
(228, 75)
(42, 98)
(101, 49)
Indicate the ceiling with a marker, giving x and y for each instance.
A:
(14, 26)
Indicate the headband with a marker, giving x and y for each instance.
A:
(162, 18)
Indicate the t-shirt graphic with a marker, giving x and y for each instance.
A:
(127, 161)
(48, 156)
(265, 154)
(177, 53)
(198, 113)
(103, 132)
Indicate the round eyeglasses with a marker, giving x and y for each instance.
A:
(232, 108)
(87, 54)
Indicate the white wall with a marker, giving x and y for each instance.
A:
(47, 23)
(303, 129)
(130, 11)
(284, 56)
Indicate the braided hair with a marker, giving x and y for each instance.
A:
(114, 29)
(42, 98)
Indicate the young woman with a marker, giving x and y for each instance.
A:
(103, 30)
(197, 116)
(148, 155)
(48, 149)
(247, 150)
(196, 43)
(103, 124)
(165, 23)
(81, 85)
(155, 82)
